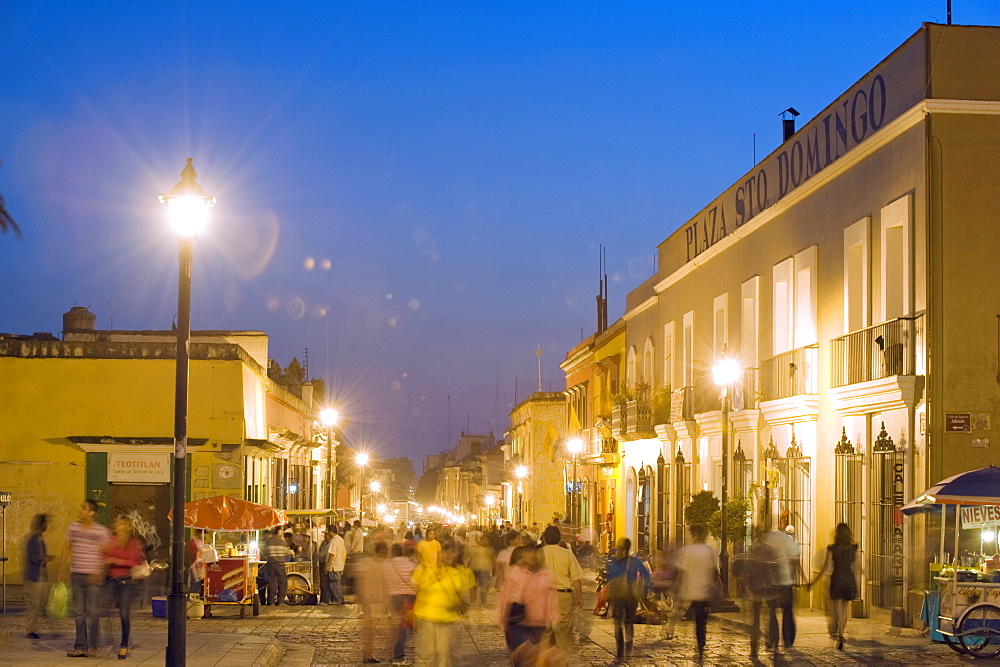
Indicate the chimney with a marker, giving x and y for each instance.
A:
(78, 318)
(788, 124)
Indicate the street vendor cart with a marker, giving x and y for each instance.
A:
(968, 615)
(303, 575)
(231, 576)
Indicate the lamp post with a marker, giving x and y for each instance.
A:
(489, 500)
(187, 208)
(574, 446)
(521, 472)
(725, 372)
(328, 418)
(361, 460)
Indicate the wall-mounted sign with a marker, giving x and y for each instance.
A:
(4, 498)
(957, 422)
(981, 443)
(981, 421)
(979, 516)
(139, 467)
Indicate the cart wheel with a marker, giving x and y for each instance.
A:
(298, 589)
(953, 644)
(256, 605)
(979, 630)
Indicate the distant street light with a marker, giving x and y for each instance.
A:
(376, 485)
(328, 418)
(361, 459)
(187, 208)
(725, 372)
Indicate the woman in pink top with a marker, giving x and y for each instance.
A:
(122, 554)
(527, 603)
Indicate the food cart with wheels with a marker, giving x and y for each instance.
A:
(231, 576)
(968, 614)
(303, 576)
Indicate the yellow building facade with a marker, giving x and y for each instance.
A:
(91, 416)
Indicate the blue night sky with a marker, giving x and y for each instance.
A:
(414, 191)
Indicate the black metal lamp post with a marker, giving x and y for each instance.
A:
(725, 372)
(187, 206)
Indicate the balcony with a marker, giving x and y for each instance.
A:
(609, 446)
(877, 368)
(877, 352)
(788, 374)
(639, 416)
(619, 425)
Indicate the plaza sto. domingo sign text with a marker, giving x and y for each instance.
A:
(139, 468)
(890, 89)
(858, 115)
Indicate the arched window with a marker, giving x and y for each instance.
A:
(631, 371)
(647, 363)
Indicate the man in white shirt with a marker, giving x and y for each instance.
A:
(356, 539)
(786, 551)
(567, 578)
(335, 562)
(83, 557)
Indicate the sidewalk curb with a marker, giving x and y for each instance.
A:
(271, 656)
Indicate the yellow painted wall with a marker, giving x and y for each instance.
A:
(43, 401)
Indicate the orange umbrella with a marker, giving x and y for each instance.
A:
(230, 514)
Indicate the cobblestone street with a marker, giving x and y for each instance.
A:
(330, 635)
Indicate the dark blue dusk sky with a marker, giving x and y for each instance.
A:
(414, 191)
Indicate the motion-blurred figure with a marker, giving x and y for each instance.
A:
(36, 577)
(841, 563)
(398, 575)
(786, 552)
(373, 596)
(527, 603)
(441, 591)
(627, 580)
(699, 579)
(479, 558)
(567, 577)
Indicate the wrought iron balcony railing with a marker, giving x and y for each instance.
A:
(790, 373)
(875, 352)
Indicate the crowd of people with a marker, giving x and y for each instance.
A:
(419, 582)
(102, 567)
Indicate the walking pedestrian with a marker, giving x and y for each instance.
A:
(841, 563)
(122, 553)
(567, 577)
(336, 560)
(786, 552)
(83, 558)
(755, 570)
(373, 597)
(479, 559)
(440, 603)
(527, 603)
(398, 575)
(275, 556)
(429, 549)
(36, 577)
(628, 580)
(698, 570)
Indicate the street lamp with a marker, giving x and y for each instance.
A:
(574, 446)
(489, 500)
(725, 372)
(521, 472)
(328, 418)
(187, 208)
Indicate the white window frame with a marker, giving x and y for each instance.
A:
(896, 214)
(858, 236)
(783, 319)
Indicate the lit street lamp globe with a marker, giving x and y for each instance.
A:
(725, 372)
(361, 459)
(376, 486)
(328, 417)
(521, 472)
(574, 446)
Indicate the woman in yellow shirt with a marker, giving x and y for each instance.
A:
(441, 593)
(429, 549)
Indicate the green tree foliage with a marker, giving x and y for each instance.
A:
(737, 509)
(701, 508)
